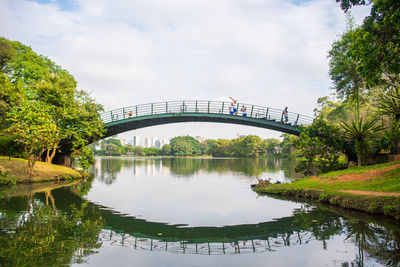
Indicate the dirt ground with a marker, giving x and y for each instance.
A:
(371, 193)
(365, 175)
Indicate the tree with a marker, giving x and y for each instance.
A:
(184, 146)
(360, 132)
(35, 129)
(166, 150)
(248, 146)
(86, 158)
(152, 151)
(270, 144)
(376, 50)
(138, 151)
(318, 148)
(181, 148)
(27, 76)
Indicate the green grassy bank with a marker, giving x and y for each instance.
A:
(17, 168)
(373, 189)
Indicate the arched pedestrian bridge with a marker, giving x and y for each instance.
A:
(145, 115)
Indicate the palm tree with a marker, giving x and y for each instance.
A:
(360, 131)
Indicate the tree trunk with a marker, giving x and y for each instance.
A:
(49, 157)
(359, 161)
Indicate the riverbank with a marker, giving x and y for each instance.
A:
(374, 189)
(43, 171)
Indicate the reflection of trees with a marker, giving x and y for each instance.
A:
(183, 166)
(378, 242)
(380, 239)
(110, 167)
(37, 235)
(247, 166)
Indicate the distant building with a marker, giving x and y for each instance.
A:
(157, 144)
(164, 142)
(136, 141)
(153, 141)
(201, 139)
(147, 142)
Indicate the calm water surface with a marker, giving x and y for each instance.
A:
(184, 212)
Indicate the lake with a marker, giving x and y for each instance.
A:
(185, 212)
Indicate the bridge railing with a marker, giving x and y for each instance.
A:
(202, 106)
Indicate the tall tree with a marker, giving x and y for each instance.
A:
(35, 129)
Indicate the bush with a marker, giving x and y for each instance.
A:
(9, 141)
(6, 180)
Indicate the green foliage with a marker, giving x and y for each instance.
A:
(318, 148)
(49, 238)
(138, 151)
(28, 77)
(360, 132)
(184, 146)
(110, 147)
(86, 158)
(220, 148)
(17, 150)
(152, 151)
(35, 129)
(166, 150)
(269, 145)
(5, 179)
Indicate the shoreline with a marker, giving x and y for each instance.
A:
(373, 189)
(43, 172)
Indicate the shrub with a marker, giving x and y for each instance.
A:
(6, 180)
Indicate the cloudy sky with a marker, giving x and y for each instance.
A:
(126, 52)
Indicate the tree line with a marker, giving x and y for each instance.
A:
(40, 106)
(247, 146)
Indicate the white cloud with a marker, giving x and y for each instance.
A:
(268, 52)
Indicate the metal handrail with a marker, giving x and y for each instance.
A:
(204, 107)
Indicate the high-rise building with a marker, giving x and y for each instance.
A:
(136, 141)
(153, 141)
(147, 142)
(157, 144)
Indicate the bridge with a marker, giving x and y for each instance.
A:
(134, 117)
(145, 115)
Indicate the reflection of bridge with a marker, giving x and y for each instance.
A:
(145, 115)
(205, 248)
(128, 231)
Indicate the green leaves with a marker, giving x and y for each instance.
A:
(360, 131)
(318, 148)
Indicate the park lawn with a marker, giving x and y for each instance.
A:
(378, 178)
(374, 189)
(42, 172)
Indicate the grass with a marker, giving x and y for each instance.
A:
(42, 172)
(377, 180)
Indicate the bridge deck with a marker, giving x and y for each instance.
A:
(139, 116)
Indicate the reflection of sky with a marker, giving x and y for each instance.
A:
(337, 252)
(203, 199)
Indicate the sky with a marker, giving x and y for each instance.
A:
(127, 52)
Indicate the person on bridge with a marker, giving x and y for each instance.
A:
(285, 116)
(130, 114)
(231, 109)
(234, 101)
(243, 110)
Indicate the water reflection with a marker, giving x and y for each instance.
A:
(107, 169)
(34, 232)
